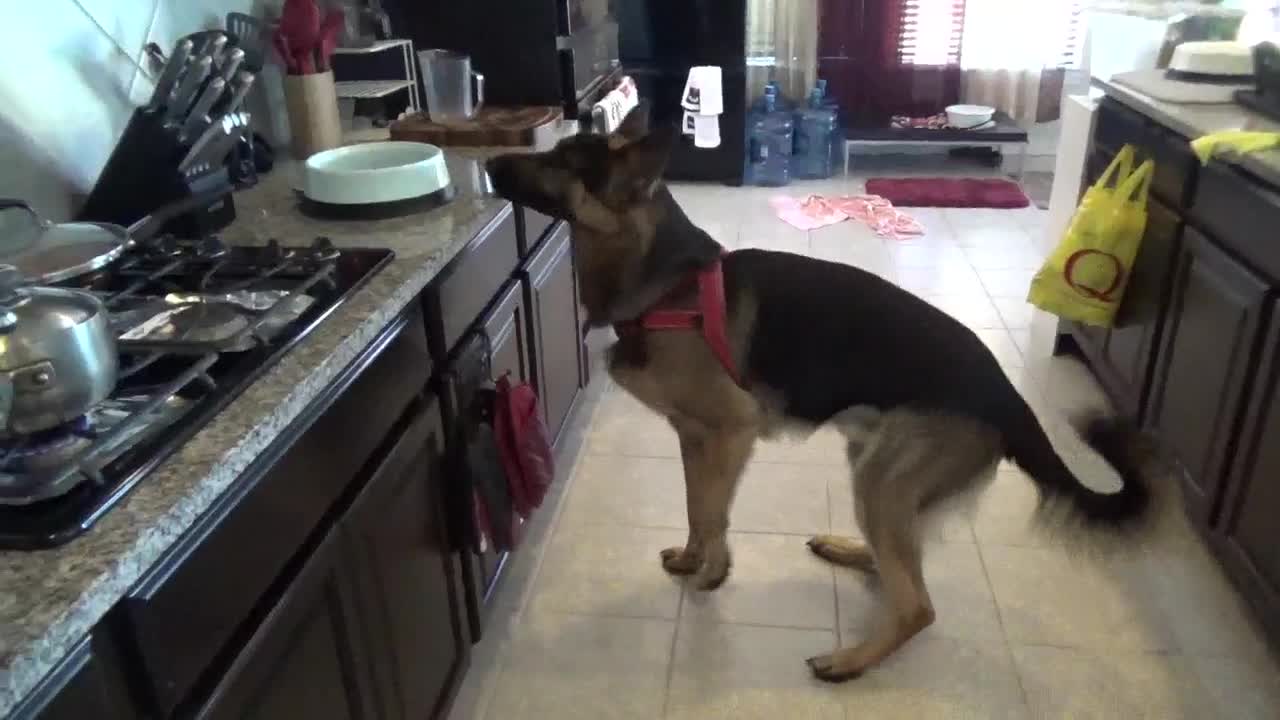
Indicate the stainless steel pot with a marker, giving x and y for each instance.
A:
(57, 355)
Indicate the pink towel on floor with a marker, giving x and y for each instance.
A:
(817, 211)
(809, 214)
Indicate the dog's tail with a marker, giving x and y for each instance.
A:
(1119, 444)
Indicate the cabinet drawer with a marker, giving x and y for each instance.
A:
(187, 608)
(1175, 172)
(464, 289)
(1241, 214)
(533, 226)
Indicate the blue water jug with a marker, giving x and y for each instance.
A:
(815, 130)
(780, 100)
(770, 142)
(837, 136)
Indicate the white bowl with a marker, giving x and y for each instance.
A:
(374, 173)
(969, 116)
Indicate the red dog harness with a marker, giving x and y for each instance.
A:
(710, 315)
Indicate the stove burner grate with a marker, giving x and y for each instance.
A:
(46, 448)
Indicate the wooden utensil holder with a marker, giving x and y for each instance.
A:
(312, 103)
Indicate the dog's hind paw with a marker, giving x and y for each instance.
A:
(679, 562)
(843, 551)
(824, 668)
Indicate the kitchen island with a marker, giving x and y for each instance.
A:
(129, 620)
(1195, 353)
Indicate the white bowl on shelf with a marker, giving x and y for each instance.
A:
(966, 117)
(376, 172)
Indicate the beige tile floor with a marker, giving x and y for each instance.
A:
(587, 625)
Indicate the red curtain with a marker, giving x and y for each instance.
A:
(860, 53)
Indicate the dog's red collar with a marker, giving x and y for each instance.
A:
(710, 315)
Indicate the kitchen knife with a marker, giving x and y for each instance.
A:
(244, 82)
(200, 149)
(187, 89)
(198, 118)
(214, 49)
(199, 145)
(216, 152)
(231, 64)
(169, 76)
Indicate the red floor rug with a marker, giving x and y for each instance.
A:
(949, 192)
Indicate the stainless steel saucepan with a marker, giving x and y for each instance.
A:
(57, 354)
(57, 350)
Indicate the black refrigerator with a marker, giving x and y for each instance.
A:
(658, 41)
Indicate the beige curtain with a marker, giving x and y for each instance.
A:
(1016, 71)
(782, 45)
(1017, 92)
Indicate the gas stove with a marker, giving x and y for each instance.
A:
(196, 323)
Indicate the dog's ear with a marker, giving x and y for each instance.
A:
(635, 125)
(646, 159)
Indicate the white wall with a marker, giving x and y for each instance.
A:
(71, 77)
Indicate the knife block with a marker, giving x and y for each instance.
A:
(142, 175)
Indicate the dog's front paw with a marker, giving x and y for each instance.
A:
(827, 668)
(678, 561)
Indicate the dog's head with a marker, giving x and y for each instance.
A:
(589, 180)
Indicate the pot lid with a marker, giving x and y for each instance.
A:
(45, 252)
(57, 252)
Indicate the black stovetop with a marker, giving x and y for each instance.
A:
(170, 386)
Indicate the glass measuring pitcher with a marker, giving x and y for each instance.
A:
(448, 78)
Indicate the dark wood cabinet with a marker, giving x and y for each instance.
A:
(308, 658)
(1195, 351)
(407, 585)
(287, 495)
(1129, 351)
(1212, 325)
(1123, 356)
(507, 325)
(500, 344)
(555, 327)
(84, 685)
(1246, 527)
(372, 626)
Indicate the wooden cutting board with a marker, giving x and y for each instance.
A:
(492, 126)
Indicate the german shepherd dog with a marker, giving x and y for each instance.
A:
(928, 410)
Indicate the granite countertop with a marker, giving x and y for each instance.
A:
(1198, 120)
(50, 599)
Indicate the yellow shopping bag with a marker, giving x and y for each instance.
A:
(1085, 277)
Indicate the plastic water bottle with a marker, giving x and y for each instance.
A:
(837, 135)
(755, 115)
(780, 100)
(770, 141)
(815, 130)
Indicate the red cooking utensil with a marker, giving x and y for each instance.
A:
(300, 24)
(285, 52)
(306, 61)
(330, 32)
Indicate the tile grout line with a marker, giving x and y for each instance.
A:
(1004, 632)
(671, 655)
